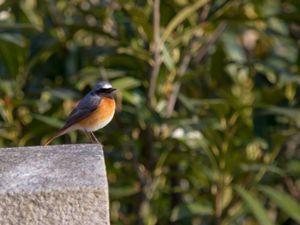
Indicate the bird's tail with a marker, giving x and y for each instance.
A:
(56, 135)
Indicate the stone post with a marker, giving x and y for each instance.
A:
(57, 185)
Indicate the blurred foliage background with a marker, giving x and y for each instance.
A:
(207, 127)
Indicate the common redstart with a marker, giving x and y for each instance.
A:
(92, 113)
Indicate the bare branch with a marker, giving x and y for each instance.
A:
(218, 204)
(173, 97)
(214, 37)
(291, 187)
(155, 48)
(186, 61)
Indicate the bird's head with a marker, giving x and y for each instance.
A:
(103, 88)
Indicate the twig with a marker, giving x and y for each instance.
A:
(203, 14)
(186, 61)
(155, 48)
(291, 187)
(214, 37)
(54, 14)
(173, 97)
(218, 204)
(136, 164)
(148, 132)
(219, 10)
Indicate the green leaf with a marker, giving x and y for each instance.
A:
(12, 52)
(293, 167)
(188, 209)
(17, 40)
(181, 16)
(126, 83)
(64, 94)
(132, 97)
(122, 191)
(258, 166)
(140, 18)
(135, 52)
(167, 59)
(234, 50)
(291, 113)
(48, 120)
(284, 201)
(29, 10)
(255, 207)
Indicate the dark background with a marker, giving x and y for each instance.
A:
(206, 130)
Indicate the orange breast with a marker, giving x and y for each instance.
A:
(101, 116)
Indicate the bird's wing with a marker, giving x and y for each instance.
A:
(85, 107)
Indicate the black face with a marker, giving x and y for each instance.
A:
(105, 91)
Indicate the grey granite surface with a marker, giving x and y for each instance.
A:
(63, 184)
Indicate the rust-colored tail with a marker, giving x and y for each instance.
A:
(56, 135)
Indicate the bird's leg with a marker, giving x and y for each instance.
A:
(95, 138)
(89, 135)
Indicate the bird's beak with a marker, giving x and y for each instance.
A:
(112, 90)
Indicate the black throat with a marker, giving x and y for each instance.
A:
(107, 95)
(103, 94)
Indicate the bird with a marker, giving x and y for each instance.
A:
(94, 111)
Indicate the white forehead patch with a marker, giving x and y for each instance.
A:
(107, 86)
